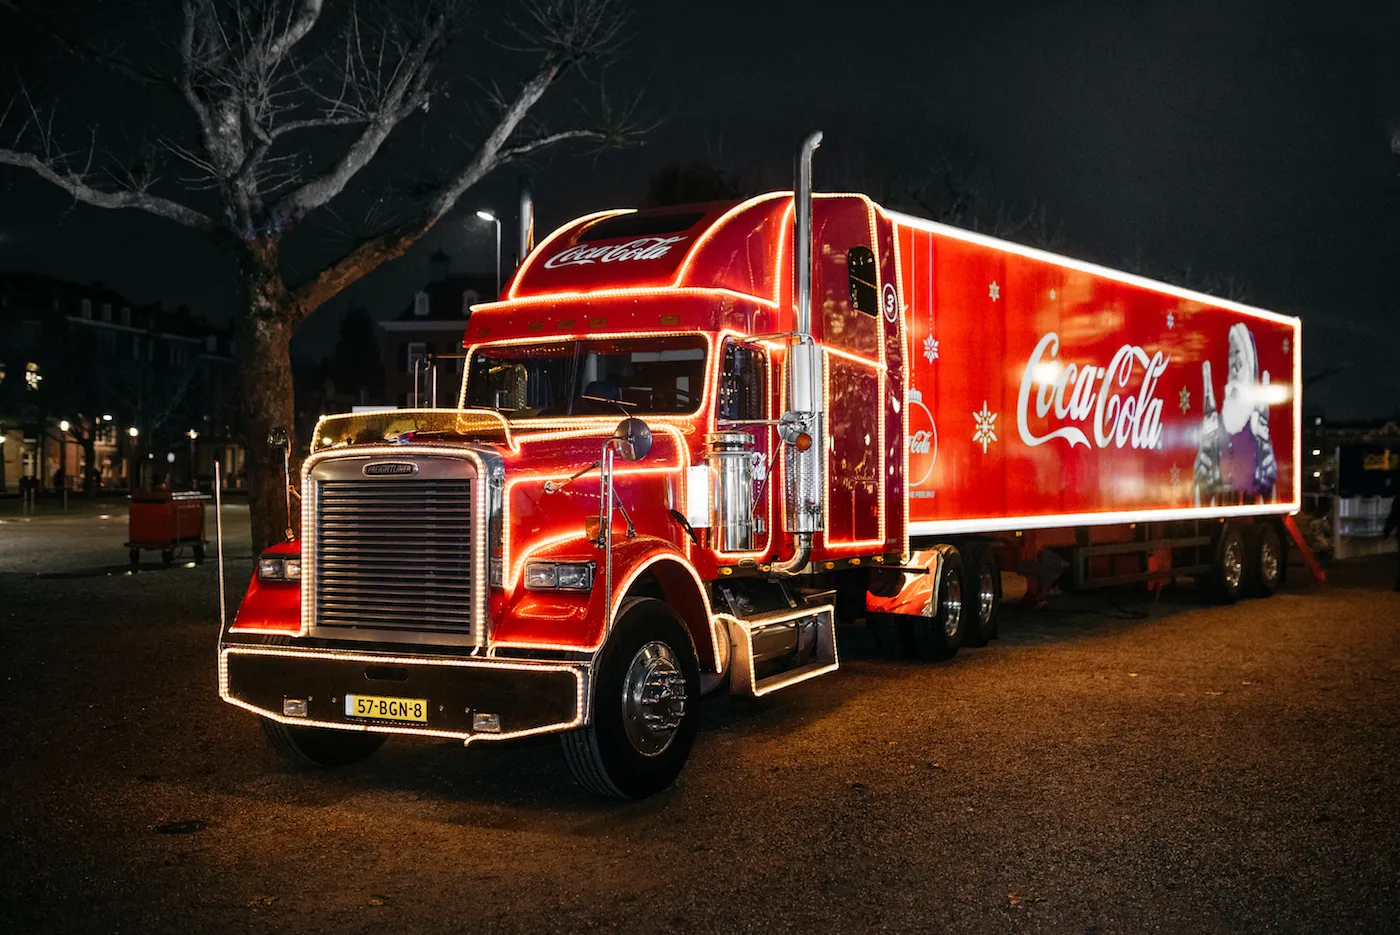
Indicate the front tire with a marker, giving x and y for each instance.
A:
(645, 707)
(320, 747)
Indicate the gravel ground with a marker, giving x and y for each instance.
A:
(1107, 766)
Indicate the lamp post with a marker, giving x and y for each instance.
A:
(63, 426)
(194, 478)
(488, 216)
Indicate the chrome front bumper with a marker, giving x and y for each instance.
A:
(528, 697)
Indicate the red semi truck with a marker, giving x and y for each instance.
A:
(692, 440)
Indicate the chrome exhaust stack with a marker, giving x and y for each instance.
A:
(802, 426)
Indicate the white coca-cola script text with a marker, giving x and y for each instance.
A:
(643, 248)
(1085, 393)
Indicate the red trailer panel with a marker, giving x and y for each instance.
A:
(1050, 392)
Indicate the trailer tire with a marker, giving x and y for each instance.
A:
(984, 594)
(320, 747)
(623, 753)
(938, 637)
(1231, 563)
(1267, 559)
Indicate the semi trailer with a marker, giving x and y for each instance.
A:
(691, 441)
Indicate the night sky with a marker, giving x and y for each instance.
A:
(1249, 141)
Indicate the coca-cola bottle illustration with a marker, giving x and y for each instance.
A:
(1207, 468)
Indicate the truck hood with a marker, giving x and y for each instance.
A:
(401, 426)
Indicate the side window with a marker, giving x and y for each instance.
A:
(743, 383)
(860, 266)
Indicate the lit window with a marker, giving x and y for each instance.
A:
(32, 377)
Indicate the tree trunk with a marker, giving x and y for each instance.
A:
(266, 398)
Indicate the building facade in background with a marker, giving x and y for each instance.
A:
(431, 327)
(98, 393)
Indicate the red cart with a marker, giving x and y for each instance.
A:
(166, 520)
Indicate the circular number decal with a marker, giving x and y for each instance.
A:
(890, 302)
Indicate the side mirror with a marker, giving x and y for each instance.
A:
(633, 439)
(277, 437)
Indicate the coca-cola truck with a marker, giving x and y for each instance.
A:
(691, 441)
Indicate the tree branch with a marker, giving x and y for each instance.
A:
(540, 142)
(75, 185)
(296, 30)
(407, 92)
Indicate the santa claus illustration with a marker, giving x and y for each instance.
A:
(1236, 454)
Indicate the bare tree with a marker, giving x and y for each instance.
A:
(287, 106)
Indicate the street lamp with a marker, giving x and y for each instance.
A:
(64, 425)
(133, 431)
(488, 216)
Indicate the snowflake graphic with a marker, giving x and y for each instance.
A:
(994, 291)
(1285, 345)
(1053, 296)
(1185, 400)
(1171, 320)
(985, 433)
(1176, 475)
(930, 348)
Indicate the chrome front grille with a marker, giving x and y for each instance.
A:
(395, 553)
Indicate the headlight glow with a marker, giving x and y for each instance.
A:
(561, 576)
(279, 568)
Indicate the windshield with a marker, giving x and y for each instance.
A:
(644, 376)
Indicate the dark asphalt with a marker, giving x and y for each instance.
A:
(1176, 768)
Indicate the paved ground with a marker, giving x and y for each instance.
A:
(1120, 767)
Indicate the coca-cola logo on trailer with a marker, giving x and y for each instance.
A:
(643, 248)
(1090, 395)
(922, 440)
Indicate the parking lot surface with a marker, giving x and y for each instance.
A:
(1109, 765)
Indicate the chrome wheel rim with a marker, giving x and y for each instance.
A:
(653, 698)
(986, 594)
(952, 605)
(1234, 564)
(1268, 562)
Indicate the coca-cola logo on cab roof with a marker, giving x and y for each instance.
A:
(643, 248)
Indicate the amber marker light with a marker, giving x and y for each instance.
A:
(803, 441)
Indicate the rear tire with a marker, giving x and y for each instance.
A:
(320, 747)
(645, 710)
(1228, 575)
(984, 594)
(939, 637)
(1267, 559)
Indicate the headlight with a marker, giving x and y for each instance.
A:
(563, 576)
(279, 568)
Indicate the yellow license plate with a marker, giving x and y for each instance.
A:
(380, 708)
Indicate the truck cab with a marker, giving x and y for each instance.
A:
(661, 478)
